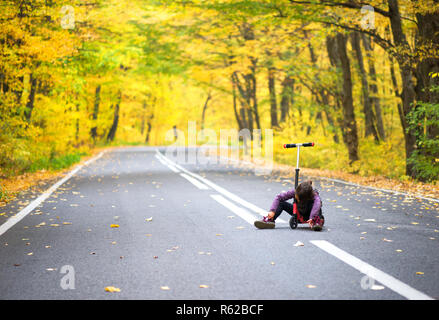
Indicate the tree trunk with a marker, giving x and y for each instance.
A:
(374, 88)
(235, 107)
(149, 126)
(253, 93)
(112, 133)
(273, 102)
(142, 124)
(338, 54)
(31, 99)
(367, 101)
(244, 101)
(95, 112)
(408, 94)
(287, 97)
(203, 115)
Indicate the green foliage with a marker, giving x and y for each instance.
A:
(4, 194)
(424, 122)
(55, 163)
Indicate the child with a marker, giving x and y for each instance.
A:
(309, 206)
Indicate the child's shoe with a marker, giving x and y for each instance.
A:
(265, 223)
(317, 224)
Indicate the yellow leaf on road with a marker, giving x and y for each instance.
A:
(114, 226)
(112, 289)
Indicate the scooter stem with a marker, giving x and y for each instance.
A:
(296, 181)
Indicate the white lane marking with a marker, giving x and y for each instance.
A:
(29, 208)
(372, 272)
(221, 190)
(244, 214)
(167, 165)
(195, 182)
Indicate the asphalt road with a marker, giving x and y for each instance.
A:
(133, 221)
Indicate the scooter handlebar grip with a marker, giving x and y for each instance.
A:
(289, 145)
(309, 144)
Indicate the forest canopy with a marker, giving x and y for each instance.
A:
(359, 78)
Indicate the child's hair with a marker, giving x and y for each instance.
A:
(304, 191)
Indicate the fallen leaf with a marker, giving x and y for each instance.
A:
(398, 250)
(148, 219)
(387, 240)
(370, 220)
(114, 226)
(377, 287)
(311, 286)
(299, 244)
(419, 273)
(164, 288)
(204, 286)
(112, 289)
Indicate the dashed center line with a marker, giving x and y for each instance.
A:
(219, 189)
(195, 182)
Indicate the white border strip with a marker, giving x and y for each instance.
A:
(395, 192)
(16, 218)
(372, 272)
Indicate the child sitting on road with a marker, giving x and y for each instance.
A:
(309, 206)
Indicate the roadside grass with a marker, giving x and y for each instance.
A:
(23, 175)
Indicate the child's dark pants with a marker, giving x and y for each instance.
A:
(283, 205)
(288, 207)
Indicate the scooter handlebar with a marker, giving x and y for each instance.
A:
(294, 145)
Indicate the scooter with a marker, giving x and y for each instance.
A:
(296, 217)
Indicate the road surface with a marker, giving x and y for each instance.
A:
(135, 220)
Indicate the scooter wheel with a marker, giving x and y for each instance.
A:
(293, 222)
